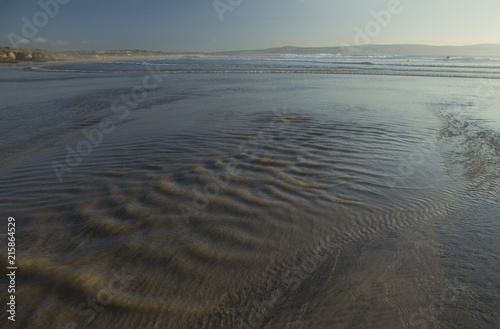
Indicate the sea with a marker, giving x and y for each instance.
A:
(284, 191)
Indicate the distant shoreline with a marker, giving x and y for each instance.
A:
(19, 57)
(12, 54)
(22, 63)
(15, 57)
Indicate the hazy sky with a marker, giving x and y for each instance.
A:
(196, 25)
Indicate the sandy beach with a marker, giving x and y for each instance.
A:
(252, 192)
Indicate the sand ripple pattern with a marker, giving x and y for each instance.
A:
(473, 153)
(262, 200)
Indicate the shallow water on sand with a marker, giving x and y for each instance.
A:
(251, 201)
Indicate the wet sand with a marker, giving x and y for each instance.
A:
(240, 201)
